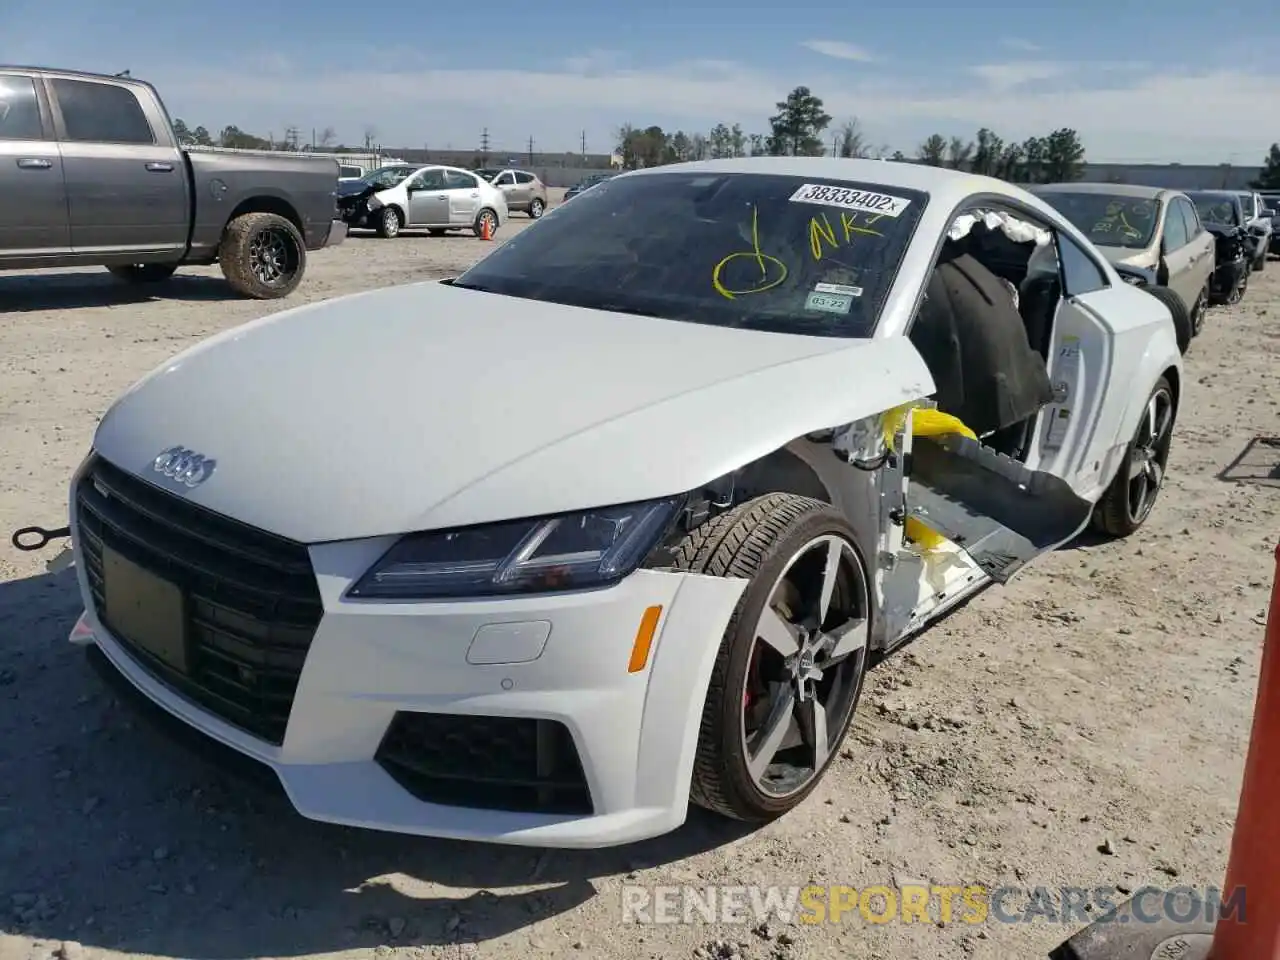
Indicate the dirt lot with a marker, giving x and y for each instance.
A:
(1084, 726)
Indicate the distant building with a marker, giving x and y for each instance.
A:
(1176, 176)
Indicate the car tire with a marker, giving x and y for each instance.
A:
(1119, 513)
(143, 272)
(1178, 310)
(389, 223)
(537, 208)
(478, 226)
(782, 544)
(1198, 310)
(1239, 290)
(262, 256)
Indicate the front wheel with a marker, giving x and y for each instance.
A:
(1133, 492)
(1241, 287)
(143, 272)
(789, 671)
(262, 255)
(389, 223)
(1198, 311)
(486, 216)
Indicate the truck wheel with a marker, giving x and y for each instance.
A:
(143, 272)
(1178, 310)
(389, 223)
(262, 255)
(792, 659)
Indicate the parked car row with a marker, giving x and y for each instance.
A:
(1188, 249)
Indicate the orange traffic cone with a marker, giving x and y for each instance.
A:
(486, 231)
(1254, 866)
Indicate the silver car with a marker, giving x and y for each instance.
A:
(1153, 235)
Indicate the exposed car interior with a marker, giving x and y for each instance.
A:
(985, 326)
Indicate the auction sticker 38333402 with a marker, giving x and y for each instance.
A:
(848, 198)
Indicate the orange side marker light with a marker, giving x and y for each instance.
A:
(644, 639)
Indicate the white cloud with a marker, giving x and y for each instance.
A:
(1016, 73)
(1120, 115)
(1017, 43)
(839, 50)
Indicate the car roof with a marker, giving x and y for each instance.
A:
(1225, 194)
(947, 186)
(1137, 191)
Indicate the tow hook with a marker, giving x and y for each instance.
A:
(30, 539)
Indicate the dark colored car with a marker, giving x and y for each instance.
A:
(583, 184)
(1223, 215)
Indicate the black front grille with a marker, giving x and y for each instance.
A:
(251, 600)
(495, 763)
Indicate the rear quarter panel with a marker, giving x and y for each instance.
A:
(300, 188)
(1144, 347)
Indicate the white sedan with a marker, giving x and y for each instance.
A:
(433, 198)
(618, 518)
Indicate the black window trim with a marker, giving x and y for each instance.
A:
(42, 105)
(60, 123)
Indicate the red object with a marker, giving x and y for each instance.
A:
(1255, 843)
(486, 233)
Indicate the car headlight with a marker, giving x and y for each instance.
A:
(590, 548)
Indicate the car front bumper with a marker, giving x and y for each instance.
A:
(562, 659)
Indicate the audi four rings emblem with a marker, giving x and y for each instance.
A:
(185, 466)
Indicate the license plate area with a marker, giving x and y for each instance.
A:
(145, 610)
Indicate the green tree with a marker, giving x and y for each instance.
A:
(933, 151)
(181, 131)
(759, 144)
(650, 147)
(1012, 163)
(959, 153)
(798, 125)
(201, 136)
(1269, 176)
(899, 156)
(1063, 156)
(987, 151)
(720, 142)
(233, 136)
(737, 141)
(680, 147)
(1033, 158)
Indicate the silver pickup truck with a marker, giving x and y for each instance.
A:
(91, 174)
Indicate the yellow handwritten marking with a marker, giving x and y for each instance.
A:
(820, 229)
(762, 260)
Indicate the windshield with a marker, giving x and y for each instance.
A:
(387, 176)
(1107, 219)
(1246, 203)
(1217, 209)
(763, 252)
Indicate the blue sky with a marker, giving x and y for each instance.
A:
(1176, 80)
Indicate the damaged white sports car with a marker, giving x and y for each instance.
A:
(618, 518)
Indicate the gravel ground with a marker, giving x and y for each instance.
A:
(1085, 725)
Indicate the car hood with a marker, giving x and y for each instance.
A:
(426, 406)
(1146, 259)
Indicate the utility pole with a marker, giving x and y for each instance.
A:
(584, 143)
(484, 145)
(531, 151)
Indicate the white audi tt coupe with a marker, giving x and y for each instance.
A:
(617, 518)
